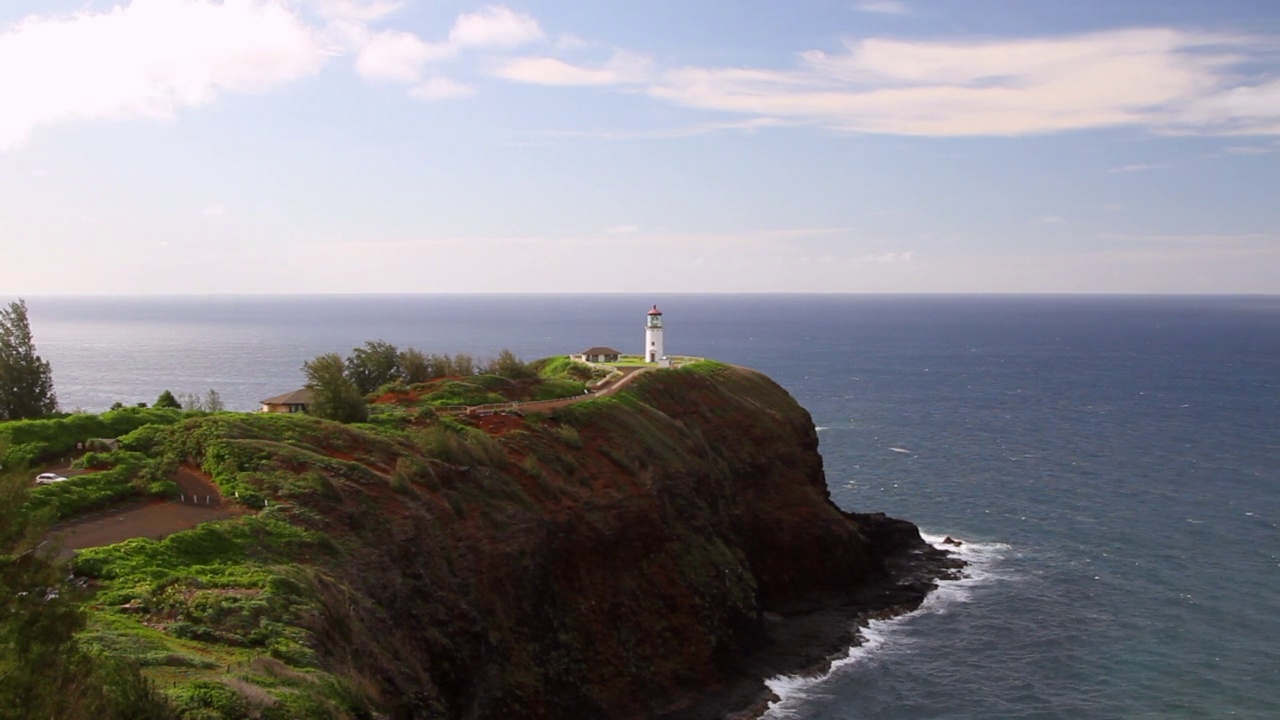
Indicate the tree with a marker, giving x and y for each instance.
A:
(374, 365)
(213, 401)
(333, 396)
(26, 381)
(461, 365)
(414, 366)
(507, 365)
(44, 673)
(167, 400)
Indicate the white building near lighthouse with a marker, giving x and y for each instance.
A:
(653, 351)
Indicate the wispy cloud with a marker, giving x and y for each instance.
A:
(1269, 240)
(1250, 149)
(883, 7)
(364, 11)
(621, 68)
(213, 211)
(1140, 167)
(398, 56)
(1162, 79)
(623, 230)
(681, 131)
(891, 257)
(403, 57)
(495, 27)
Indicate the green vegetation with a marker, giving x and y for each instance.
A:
(564, 367)
(27, 442)
(26, 381)
(167, 400)
(334, 395)
(374, 365)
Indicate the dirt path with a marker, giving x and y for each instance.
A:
(201, 502)
(156, 520)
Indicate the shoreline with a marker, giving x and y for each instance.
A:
(805, 641)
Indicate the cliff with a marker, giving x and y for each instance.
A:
(650, 554)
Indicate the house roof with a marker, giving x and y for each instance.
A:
(599, 350)
(655, 311)
(297, 397)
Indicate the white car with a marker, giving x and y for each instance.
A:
(48, 478)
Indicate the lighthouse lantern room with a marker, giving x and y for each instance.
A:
(653, 351)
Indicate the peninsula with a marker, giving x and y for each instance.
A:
(655, 551)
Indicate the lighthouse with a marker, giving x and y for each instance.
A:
(653, 336)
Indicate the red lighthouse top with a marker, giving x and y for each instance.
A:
(655, 311)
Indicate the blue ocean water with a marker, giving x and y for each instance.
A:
(1112, 463)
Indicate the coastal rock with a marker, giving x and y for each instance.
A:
(634, 577)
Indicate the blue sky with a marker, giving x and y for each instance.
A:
(291, 146)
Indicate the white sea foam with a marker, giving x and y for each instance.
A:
(881, 635)
(900, 450)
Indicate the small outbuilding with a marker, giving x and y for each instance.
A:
(598, 354)
(290, 402)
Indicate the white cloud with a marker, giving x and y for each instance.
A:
(622, 68)
(1152, 77)
(403, 57)
(441, 88)
(363, 11)
(398, 56)
(883, 7)
(150, 59)
(623, 230)
(495, 27)
(212, 211)
(1140, 167)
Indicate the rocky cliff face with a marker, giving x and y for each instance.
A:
(620, 562)
(650, 554)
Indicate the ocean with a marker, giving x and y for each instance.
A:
(1111, 464)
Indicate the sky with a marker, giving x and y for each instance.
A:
(427, 146)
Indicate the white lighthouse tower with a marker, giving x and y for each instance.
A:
(653, 351)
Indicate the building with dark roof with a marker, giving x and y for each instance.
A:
(290, 402)
(598, 354)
